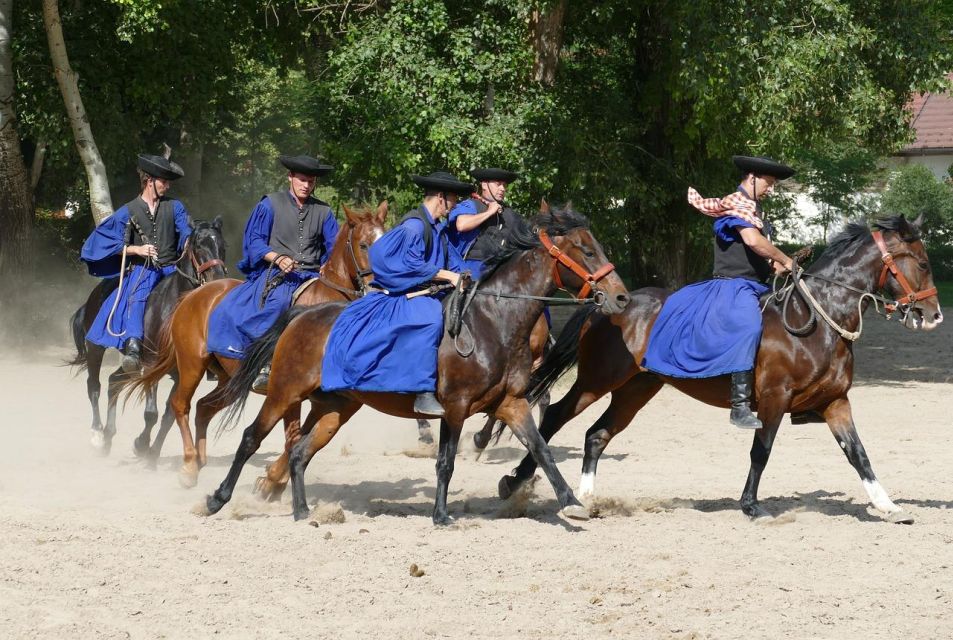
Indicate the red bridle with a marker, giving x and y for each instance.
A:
(890, 265)
(559, 257)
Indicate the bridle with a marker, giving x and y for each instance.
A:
(200, 268)
(910, 296)
(360, 277)
(560, 258)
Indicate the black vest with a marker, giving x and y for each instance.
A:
(737, 260)
(506, 218)
(159, 230)
(298, 233)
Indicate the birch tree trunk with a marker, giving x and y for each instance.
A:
(16, 198)
(546, 27)
(99, 198)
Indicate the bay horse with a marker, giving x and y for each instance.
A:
(491, 379)
(202, 260)
(794, 373)
(183, 339)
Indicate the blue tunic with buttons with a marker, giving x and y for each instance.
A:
(385, 341)
(247, 312)
(712, 327)
(102, 253)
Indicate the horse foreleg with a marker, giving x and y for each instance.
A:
(168, 419)
(94, 363)
(181, 402)
(558, 414)
(140, 446)
(112, 400)
(205, 410)
(271, 485)
(516, 413)
(446, 454)
(759, 454)
(841, 423)
(333, 413)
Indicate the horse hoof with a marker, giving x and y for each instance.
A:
(188, 479)
(506, 487)
(97, 440)
(443, 520)
(756, 512)
(203, 508)
(575, 512)
(479, 441)
(268, 490)
(301, 514)
(899, 517)
(139, 449)
(425, 436)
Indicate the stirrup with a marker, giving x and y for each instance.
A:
(427, 404)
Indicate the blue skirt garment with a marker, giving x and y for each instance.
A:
(707, 329)
(131, 311)
(384, 342)
(241, 318)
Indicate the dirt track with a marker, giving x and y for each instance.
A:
(94, 547)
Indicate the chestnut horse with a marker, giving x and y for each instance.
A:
(491, 379)
(812, 371)
(183, 339)
(202, 260)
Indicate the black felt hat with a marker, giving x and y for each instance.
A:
(494, 173)
(305, 164)
(443, 182)
(159, 167)
(761, 166)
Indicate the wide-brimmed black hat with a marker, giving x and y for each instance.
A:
(494, 173)
(305, 164)
(159, 167)
(761, 166)
(444, 182)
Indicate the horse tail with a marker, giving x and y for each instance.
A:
(561, 356)
(79, 338)
(155, 368)
(234, 394)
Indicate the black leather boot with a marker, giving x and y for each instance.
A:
(260, 385)
(426, 404)
(132, 354)
(742, 387)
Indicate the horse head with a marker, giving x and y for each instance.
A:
(906, 273)
(206, 250)
(580, 264)
(364, 227)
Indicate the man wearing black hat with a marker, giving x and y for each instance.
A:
(713, 327)
(288, 237)
(481, 211)
(388, 341)
(147, 234)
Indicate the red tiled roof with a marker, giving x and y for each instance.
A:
(933, 122)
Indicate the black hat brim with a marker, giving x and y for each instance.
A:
(443, 182)
(494, 173)
(305, 165)
(761, 166)
(159, 167)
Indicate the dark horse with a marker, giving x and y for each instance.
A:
(202, 260)
(812, 372)
(183, 339)
(492, 379)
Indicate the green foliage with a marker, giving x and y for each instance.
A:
(913, 190)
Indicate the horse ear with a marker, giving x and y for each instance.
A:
(919, 221)
(350, 215)
(217, 223)
(382, 211)
(543, 206)
(568, 206)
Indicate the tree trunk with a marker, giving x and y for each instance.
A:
(546, 29)
(16, 201)
(99, 197)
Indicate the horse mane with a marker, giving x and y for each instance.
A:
(857, 231)
(524, 235)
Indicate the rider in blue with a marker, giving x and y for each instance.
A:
(481, 211)
(387, 341)
(288, 237)
(713, 327)
(146, 234)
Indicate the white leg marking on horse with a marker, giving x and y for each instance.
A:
(97, 439)
(879, 498)
(587, 485)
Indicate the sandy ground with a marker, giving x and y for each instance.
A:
(93, 547)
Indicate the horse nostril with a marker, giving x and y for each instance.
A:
(938, 316)
(622, 299)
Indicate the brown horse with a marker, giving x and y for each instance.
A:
(183, 339)
(202, 261)
(794, 373)
(491, 379)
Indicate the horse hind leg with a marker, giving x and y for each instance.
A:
(424, 434)
(333, 413)
(168, 419)
(94, 363)
(841, 423)
(115, 379)
(270, 486)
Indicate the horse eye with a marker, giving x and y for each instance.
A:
(364, 246)
(924, 265)
(589, 254)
